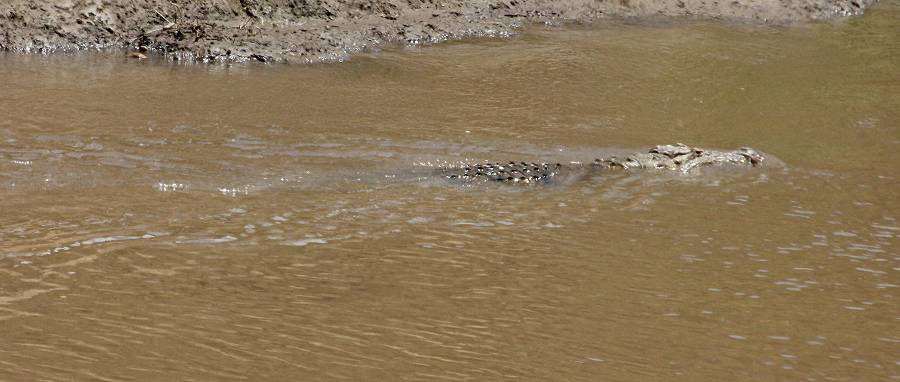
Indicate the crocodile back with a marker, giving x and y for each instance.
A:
(509, 172)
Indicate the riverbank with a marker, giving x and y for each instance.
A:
(329, 30)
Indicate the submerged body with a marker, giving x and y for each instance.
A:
(678, 158)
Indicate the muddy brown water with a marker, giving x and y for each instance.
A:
(166, 222)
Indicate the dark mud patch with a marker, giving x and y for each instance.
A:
(328, 30)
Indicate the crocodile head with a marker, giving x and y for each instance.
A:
(673, 151)
(752, 155)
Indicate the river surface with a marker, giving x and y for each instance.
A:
(192, 223)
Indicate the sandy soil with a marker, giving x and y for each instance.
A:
(323, 30)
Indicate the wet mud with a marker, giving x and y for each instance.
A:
(331, 30)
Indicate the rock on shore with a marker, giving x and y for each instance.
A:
(323, 30)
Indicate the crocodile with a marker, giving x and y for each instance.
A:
(678, 158)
